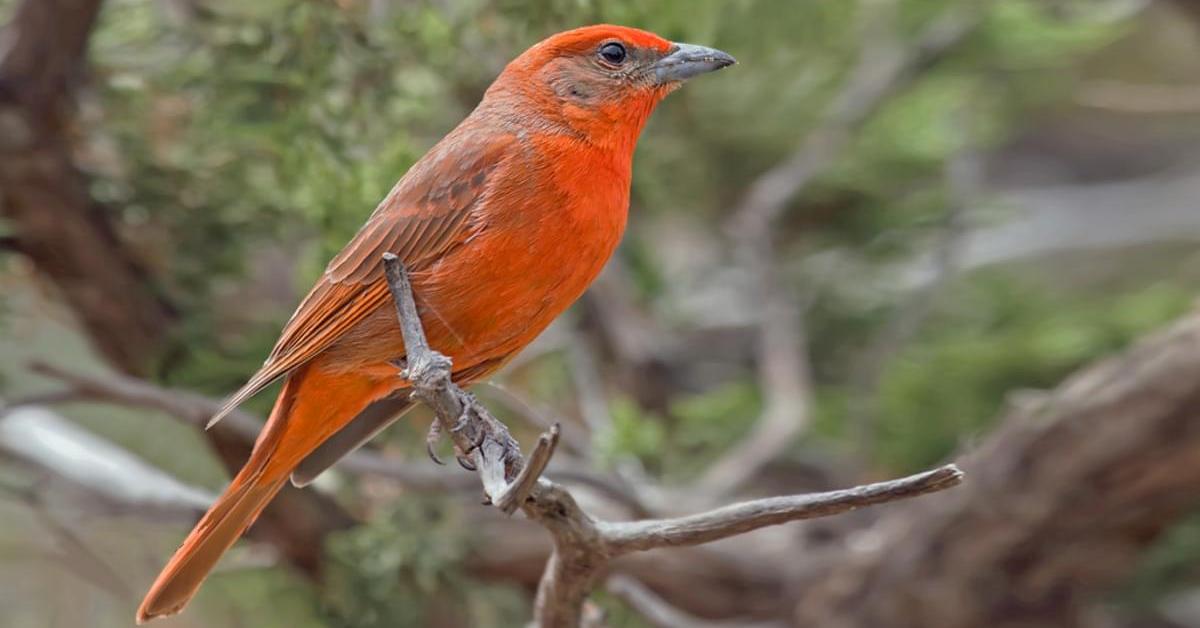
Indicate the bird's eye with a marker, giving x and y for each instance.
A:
(613, 53)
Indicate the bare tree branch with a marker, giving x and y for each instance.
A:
(114, 479)
(741, 518)
(582, 546)
(54, 221)
(522, 486)
(131, 391)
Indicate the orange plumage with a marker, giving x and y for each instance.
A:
(502, 225)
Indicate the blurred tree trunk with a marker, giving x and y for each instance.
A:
(73, 240)
(1058, 505)
(45, 198)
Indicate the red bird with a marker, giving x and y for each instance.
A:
(502, 225)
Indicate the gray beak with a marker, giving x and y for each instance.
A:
(685, 61)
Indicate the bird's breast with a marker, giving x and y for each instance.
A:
(521, 270)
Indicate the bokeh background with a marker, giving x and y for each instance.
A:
(878, 243)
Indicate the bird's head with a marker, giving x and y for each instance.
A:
(601, 82)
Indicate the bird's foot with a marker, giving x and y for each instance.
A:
(465, 462)
(470, 406)
(428, 368)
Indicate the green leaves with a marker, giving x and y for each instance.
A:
(403, 568)
(1001, 336)
(381, 572)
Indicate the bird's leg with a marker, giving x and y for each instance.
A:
(417, 369)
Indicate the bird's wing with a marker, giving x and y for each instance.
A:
(425, 215)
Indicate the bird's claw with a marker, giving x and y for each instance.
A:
(464, 420)
(470, 404)
(431, 442)
(435, 434)
(464, 417)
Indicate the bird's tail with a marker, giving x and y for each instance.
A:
(233, 512)
(299, 423)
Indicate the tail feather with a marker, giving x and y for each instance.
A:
(237, 508)
(371, 421)
(261, 380)
(241, 503)
(312, 405)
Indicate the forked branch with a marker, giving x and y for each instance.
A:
(583, 547)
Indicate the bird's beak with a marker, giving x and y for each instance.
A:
(686, 60)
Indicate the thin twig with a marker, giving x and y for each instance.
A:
(131, 391)
(519, 490)
(727, 521)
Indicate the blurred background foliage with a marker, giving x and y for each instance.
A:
(243, 143)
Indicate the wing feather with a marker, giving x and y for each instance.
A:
(425, 215)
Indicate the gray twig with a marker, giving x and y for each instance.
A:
(727, 521)
(519, 490)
